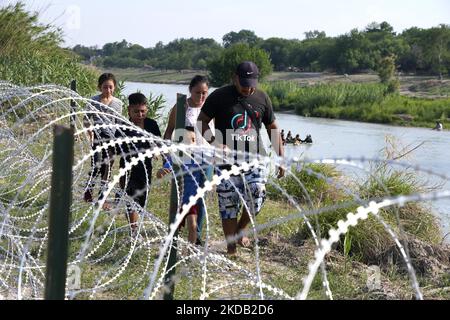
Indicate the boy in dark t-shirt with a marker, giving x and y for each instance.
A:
(140, 175)
(239, 111)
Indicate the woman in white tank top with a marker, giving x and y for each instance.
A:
(198, 89)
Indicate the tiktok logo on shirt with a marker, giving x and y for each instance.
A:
(242, 125)
(241, 121)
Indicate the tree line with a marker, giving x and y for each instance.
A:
(416, 50)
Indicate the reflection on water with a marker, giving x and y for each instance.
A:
(339, 139)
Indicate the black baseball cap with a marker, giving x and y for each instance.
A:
(247, 73)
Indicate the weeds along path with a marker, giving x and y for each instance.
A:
(315, 237)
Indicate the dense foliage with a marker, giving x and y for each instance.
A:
(221, 69)
(424, 51)
(30, 53)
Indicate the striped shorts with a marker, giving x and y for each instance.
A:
(248, 188)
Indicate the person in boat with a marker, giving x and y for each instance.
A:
(438, 126)
(289, 137)
(308, 139)
(297, 140)
(283, 138)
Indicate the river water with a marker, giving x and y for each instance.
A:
(340, 139)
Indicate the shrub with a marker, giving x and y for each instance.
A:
(222, 68)
(369, 238)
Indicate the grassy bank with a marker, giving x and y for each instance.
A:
(285, 243)
(419, 86)
(366, 102)
(30, 53)
(285, 248)
(422, 100)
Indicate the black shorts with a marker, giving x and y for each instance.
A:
(139, 179)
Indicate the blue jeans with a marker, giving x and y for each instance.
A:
(190, 189)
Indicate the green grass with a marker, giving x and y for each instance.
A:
(282, 260)
(307, 98)
(30, 53)
(284, 248)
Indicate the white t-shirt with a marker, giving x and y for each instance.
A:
(113, 108)
(115, 105)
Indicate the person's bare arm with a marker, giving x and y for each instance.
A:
(277, 143)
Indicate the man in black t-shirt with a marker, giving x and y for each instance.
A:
(239, 111)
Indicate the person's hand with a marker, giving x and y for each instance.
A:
(281, 172)
(90, 136)
(162, 172)
(221, 152)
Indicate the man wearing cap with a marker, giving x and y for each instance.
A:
(239, 111)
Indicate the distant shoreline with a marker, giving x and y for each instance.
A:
(155, 76)
(424, 87)
(410, 85)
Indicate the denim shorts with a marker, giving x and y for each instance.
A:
(192, 180)
(249, 186)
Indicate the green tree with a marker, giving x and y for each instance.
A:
(178, 54)
(244, 36)
(279, 50)
(87, 53)
(363, 50)
(315, 34)
(429, 50)
(412, 59)
(222, 68)
(313, 54)
(438, 53)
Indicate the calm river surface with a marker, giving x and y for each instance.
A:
(339, 139)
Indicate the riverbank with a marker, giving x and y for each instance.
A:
(363, 102)
(155, 76)
(285, 249)
(422, 100)
(410, 85)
